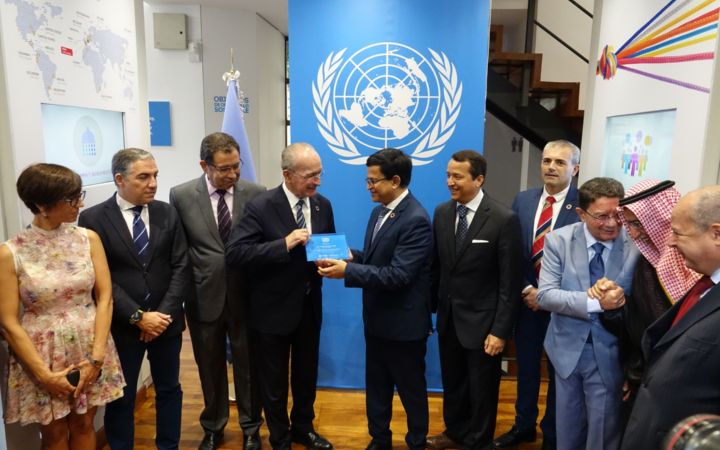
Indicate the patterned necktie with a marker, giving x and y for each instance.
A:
(223, 216)
(299, 216)
(597, 266)
(702, 285)
(379, 222)
(543, 228)
(140, 236)
(462, 227)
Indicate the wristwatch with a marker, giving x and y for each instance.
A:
(136, 316)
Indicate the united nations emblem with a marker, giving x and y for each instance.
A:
(387, 95)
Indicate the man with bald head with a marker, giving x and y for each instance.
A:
(682, 348)
(285, 293)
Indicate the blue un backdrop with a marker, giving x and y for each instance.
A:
(409, 74)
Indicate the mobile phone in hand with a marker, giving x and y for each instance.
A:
(73, 377)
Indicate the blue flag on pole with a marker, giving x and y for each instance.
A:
(234, 125)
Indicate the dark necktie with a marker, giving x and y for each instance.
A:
(140, 236)
(379, 222)
(224, 219)
(597, 266)
(299, 216)
(462, 227)
(702, 285)
(544, 226)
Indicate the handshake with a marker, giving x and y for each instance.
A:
(608, 293)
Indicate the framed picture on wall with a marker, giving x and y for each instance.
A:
(639, 146)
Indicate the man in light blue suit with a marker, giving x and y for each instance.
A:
(578, 260)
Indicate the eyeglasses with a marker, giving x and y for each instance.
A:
(310, 176)
(75, 201)
(373, 182)
(604, 218)
(634, 224)
(224, 170)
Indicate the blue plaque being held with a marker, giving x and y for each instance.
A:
(327, 246)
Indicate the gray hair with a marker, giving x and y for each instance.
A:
(122, 160)
(290, 153)
(562, 143)
(705, 211)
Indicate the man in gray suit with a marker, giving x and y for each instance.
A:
(208, 206)
(578, 260)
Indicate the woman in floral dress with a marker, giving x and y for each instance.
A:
(55, 312)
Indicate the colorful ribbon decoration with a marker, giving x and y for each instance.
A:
(658, 37)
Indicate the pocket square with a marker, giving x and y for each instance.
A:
(480, 241)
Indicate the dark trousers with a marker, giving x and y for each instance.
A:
(390, 364)
(272, 354)
(209, 347)
(471, 386)
(529, 337)
(164, 356)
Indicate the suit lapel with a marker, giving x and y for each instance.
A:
(117, 221)
(202, 199)
(315, 214)
(157, 229)
(390, 221)
(283, 210)
(615, 259)
(567, 211)
(531, 211)
(580, 256)
(708, 304)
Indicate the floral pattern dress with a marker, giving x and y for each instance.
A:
(55, 279)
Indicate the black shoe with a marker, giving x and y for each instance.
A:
(252, 442)
(211, 441)
(375, 445)
(514, 437)
(441, 442)
(549, 444)
(312, 441)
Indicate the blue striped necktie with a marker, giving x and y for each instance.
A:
(140, 236)
(299, 216)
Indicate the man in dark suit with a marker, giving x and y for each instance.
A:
(394, 271)
(540, 211)
(477, 247)
(285, 293)
(208, 206)
(151, 277)
(682, 348)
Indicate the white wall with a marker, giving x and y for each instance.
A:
(172, 77)
(692, 163)
(559, 63)
(271, 110)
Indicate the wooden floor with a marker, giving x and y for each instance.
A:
(340, 415)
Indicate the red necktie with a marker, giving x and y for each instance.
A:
(693, 296)
(543, 228)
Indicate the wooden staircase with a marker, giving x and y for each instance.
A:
(559, 97)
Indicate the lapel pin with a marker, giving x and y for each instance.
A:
(392, 215)
(317, 208)
(568, 206)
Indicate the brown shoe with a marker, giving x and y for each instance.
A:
(441, 442)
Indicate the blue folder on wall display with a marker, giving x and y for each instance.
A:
(160, 131)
